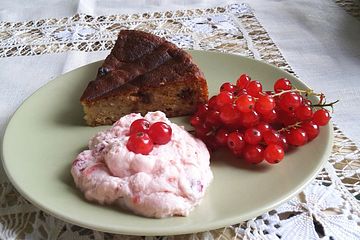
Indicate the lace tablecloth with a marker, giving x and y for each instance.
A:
(328, 208)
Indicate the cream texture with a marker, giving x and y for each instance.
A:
(170, 181)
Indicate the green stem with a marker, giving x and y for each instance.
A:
(325, 104)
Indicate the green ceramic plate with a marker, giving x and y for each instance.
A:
(47, 132)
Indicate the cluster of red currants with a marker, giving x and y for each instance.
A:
(256, 124)
(143, 135)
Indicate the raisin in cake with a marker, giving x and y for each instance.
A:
(143, 73)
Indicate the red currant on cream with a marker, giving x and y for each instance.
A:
(140, 143)
(139, 125)
(160, 133)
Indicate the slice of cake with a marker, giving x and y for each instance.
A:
(143, 73)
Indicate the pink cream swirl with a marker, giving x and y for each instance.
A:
(170, 181)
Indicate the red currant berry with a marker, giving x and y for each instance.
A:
(224, 98)
(245, 103)
(252, 136)
(239, 92)
(273, 153)
(202, 131)
(211, 142)
(304, 113)
(212, 103)
(235, 142)
(221, 136)
(263, 127)
(282, 84)
(250, 119)
(139, 125)
(229, 115)
(271, 137)
(307, 102)
(264, 104)
(243, 81)
(253, 154)
(287, 118)
(289, 101)
(213, 118)
(297, 137)
(228, 87)
(270, 117)
(302, 99)
(140, 143)
(202, 111)
(283, 143)
(254, 88)
(312, 130)
(160, 133)
(195, 121)
(321, 117)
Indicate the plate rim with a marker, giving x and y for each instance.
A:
(210, 226)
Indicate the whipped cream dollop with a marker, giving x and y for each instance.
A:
(170, 181)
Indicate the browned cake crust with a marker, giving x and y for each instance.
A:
(143, 73)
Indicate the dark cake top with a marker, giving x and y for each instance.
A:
(140, 59)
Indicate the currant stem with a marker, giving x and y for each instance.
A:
(307, 92)
(325, 104)
(295, 125)
(291, 90)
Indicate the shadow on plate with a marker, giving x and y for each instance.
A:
(70, 112)
(72, 116)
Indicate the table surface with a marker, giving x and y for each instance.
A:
(320, 40)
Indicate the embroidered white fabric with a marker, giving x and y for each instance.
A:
(326, 209)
